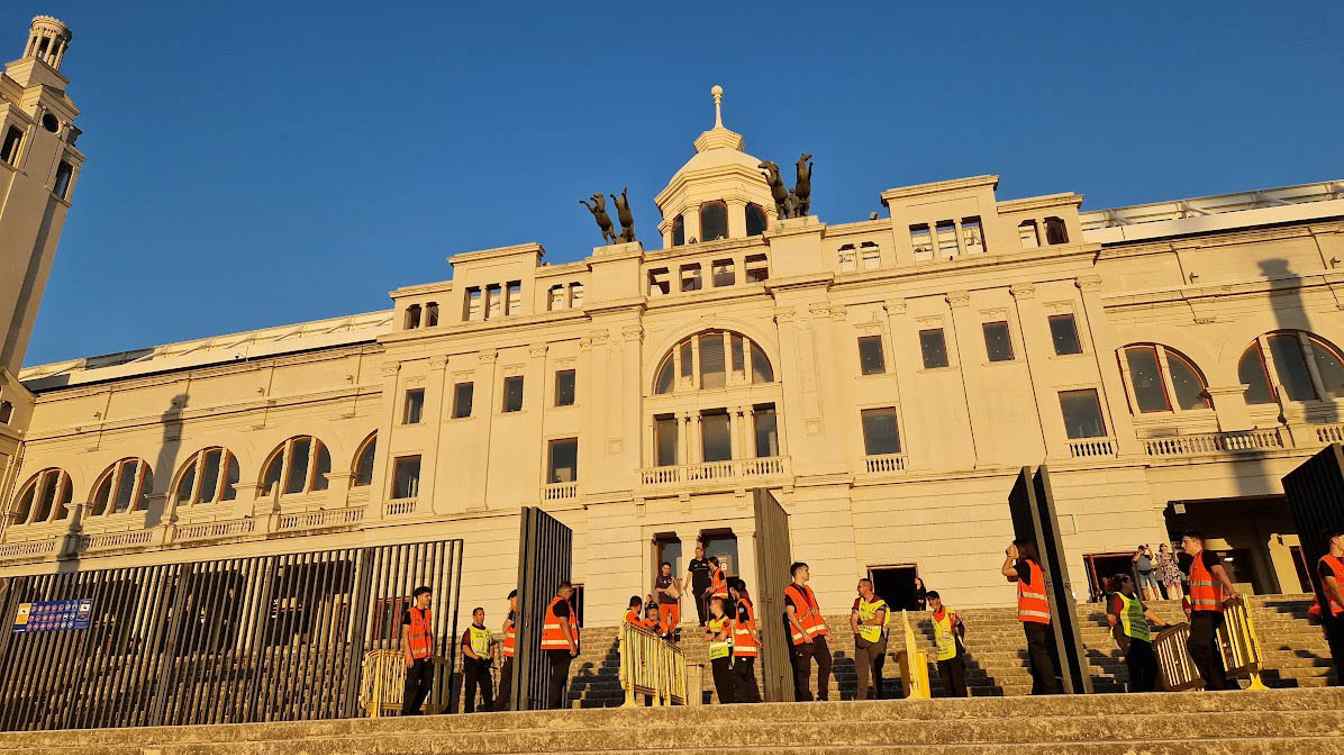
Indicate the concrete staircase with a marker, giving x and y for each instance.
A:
(1296, 654)
(1279, 721)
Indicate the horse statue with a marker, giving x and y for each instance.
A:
(599, 210)
(802, 188)
(626, 217)
(770, 170)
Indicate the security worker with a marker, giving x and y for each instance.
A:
(1023, 566)
(668, 590)
(1330, 569)
(634, 612)
(868, 619)
(1133, 623)
(950, 652)
(718, 579)
(719, 633)
(1210, 588)
(560, 643)
(502, 701)
(417, 647)
(746, 644)
(808, 632)
(476, 663)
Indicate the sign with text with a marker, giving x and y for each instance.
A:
(53, 615)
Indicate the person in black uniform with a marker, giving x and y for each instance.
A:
(502, 701)
(697, 572)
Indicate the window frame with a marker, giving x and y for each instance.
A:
(112, 476)
(573, 387)
(413, 406)
(395, 481)
(504, 394)
(1164, 355)
(551, 446)
(880, 368)
(195, 464)
(1101, 413)
(923, 353)
(876, 411)
(37, 484)
(367, 446)
(1308, 344)
(457, 399)
(284, 455)
(1072, 318)
(1009, 340)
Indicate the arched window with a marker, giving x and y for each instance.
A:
(1161, 378)
(302, 463)
(122, 487)
(712, 359)
(1055, 231)
(6, 412)
(678, 231)
(363, 471)
(713, 221)
(756, 221)
(44, 498)
(1308, 367)
(210, 475)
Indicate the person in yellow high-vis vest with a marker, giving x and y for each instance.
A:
(476, 663)
(719, 633)
(949, 652)
(868, 619)
(1134, 625)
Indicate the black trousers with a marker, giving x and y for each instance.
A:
(953, 672)
(1334, 634)
(558, 683)
(419, 682)
(1203, 647)
(502, 701)
(701, 602)
(1142, 664)
(725, 684)
(802, 670)
(744, 668)
(1043, 671)
(477, 676)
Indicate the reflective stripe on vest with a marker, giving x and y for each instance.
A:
(744, 636)
(868, 612)
(480, 641)
(718, 585)
(717, 648)
(807, 613)
(944, 639)
(552, 636)
(1032, 604)
(420, 635)
(1132, 621)
(1337, 569)
(1205, 594)
(510, 640)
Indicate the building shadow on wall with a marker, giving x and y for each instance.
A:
(165, 465)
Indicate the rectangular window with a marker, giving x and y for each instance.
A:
(576, 295)
(494, 304)
(665, 440)
(555, 298)
(767, 431)
(1082, 414)
(686, 359)
(9, 151)
(658, 282)
(872, 256)
(757, 268)
(61, 186)
(513, 393)
(713, 373)
(471, 304)
(564, 388)
(1064, 332)
(1145, 376)
(998, 341)
(513, 298)
(462, 396)
(690, 278)
(880, 435)
(723, 273)
(921, 241)
(431, 315)
(297, 479)
(972, 235)
(564, 461)
(848, 258)
(1028, 235)
(871, 361)
(947, 239)
(739, 357)
(933, 347)
(716, 436)
(406, 477)
(413, 406)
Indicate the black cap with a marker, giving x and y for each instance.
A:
(933, 594)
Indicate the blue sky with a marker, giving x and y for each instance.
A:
(252, 165)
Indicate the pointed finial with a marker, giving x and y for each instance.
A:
(717, 92)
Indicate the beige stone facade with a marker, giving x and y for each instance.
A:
(886, 377)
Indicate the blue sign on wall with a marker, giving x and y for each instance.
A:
(53, 615)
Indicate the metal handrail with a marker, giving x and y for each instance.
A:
(651, 666)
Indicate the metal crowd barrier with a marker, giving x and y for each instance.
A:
(382, 682)
(914, 665)
(1241, 645)
(1177, 670)
(651, 666)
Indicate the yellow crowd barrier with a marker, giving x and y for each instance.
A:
(1176, 669)
(651, 666)
(1241, 645)
(914, 665)
(381, 682)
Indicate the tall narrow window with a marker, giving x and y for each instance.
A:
(761, 371)
(713, 221)
(462, 395)
(576, 295)
(998, 341)
(755, 220)
(555, 298)
(1145, 377)
(471, 304)
(431, 314)
(564, 461)
(6, 412)
(665, 440)
(1064, 334)
(513, 298)
(880, 433)
(921, 241)
(666, 378)
(406, 477)
(716, 436)
(870, 255)
(947, 239)
(737, 347)
(513, 393)
(972, 235)
(413, 317)
(9, 150)
(1291, 365)
(413, 407)
(767, 431)
(933, 348)
(564, 388)
(364, 463)
(871, 361)
(678, 231)
(1055, 231)
(1082, 414)
(1028, 235)
(713, 371)
(494, 301)
(61, 186)
(1251, 373)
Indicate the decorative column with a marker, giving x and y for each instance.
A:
(380, 489)
(691, 220)
(737, 218)
(1103, 350)
(484, 407)
(432, 414)
(905, 362)
(1038, 347)
(964, 333)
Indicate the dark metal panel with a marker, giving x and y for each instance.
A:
(773, 557)
(545, 553)
(1315, 491)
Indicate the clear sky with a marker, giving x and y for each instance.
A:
(254, 164)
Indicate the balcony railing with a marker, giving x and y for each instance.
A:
(28, 550)
(1090, 448)
(1330, 433)
(317, 520)
(108, 541)
(884, 463)
(560, 491)
(229, 528)
(1204, 443)
(399, 508)
(716, 471)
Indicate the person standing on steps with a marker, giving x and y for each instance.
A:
(807, 631)
(477, 663)
(1143, 564)
(417, 648)
(868, 619)
(948, 631)
(746, 643)
(919, 597)
(697, 576)
(560, 643)
(1133, 623)
(668, 590)
(502, 701)
(1210, 588)
(1022, 565)
(719, 633)
(718, 579)
(1331, 571)
(1169, 572)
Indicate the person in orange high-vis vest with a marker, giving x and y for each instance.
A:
(718, 579)
(1210, 588)
(417, 648)
(1022, 565)
(560, 643)
(1330, 571)
(807, 632)
(746, 643)
(634, 613)
(507, 650)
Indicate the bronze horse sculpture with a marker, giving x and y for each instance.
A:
(626, 217)
(802, 188)
(599, 210)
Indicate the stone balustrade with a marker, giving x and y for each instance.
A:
(711, 472)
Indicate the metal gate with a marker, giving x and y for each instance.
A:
(1315, 493)
(1032, 504)
(265, 638)
(545, 554)
(773, 556)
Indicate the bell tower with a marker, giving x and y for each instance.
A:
(39, 167)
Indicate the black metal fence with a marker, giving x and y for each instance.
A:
(266, 638)
(1315, 491)
(545, 552)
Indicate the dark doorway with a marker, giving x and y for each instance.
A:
(1100, 568)
(895, 585)
(722, 543)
